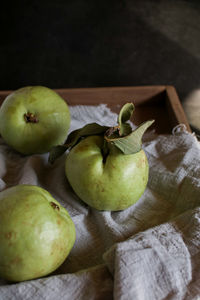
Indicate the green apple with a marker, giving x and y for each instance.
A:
(36, 233)
(33, 119)
(113, 184)
(107, 167)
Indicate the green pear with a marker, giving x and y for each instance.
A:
(106, 166)
(113, 184)
(33, 119)
(36, 233)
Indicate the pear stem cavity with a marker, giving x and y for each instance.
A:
(30, 118)
(105, 155)
(105, 151)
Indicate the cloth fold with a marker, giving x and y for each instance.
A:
(159, 263)
(148, 251)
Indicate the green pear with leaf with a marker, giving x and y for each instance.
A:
(36, 233)
(107, 167)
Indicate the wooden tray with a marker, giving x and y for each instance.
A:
(160, 103)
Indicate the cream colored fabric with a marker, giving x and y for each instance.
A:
(149, 251)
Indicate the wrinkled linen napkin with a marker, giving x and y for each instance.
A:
(148, 251)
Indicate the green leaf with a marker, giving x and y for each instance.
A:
(87, 130)
(124, 116)
(126, 112)
(131, 143)
(125, 129)
(56, 152)
(74, 137)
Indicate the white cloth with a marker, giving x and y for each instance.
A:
(149, 251)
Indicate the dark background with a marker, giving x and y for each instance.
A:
(69, 44)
